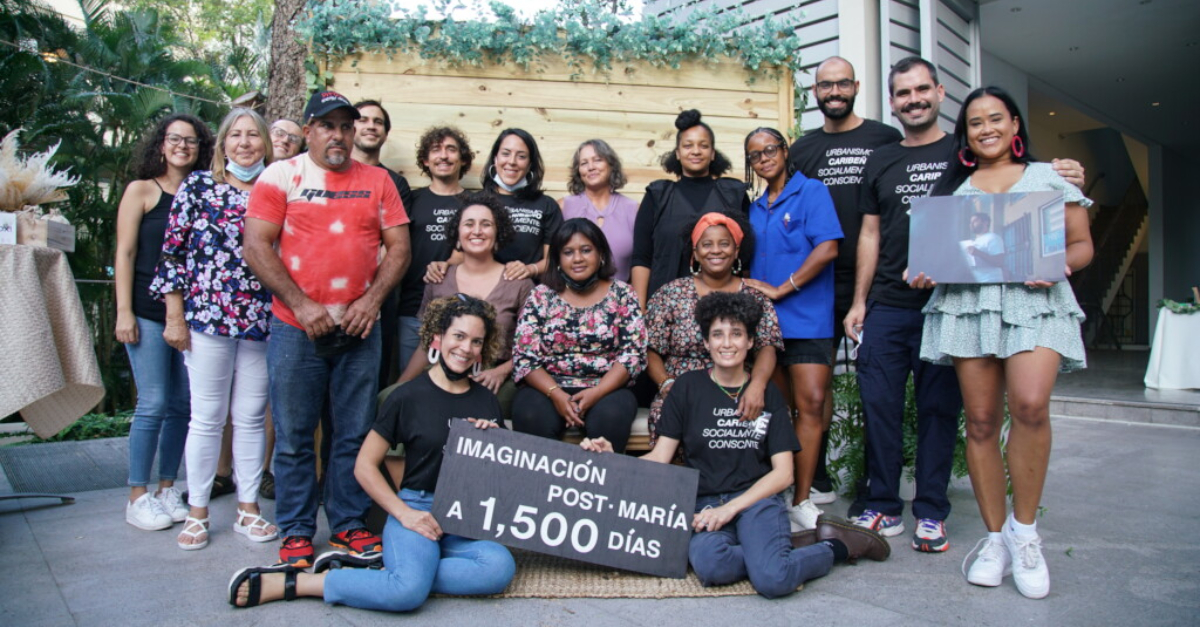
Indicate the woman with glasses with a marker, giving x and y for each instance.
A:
(798, 233)
(177, 146)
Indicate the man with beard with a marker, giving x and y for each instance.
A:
(886, 316)
(328, 214)
(836, 154)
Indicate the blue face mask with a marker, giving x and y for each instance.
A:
(245, 174)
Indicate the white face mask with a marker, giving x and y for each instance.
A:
(510, 188)
(243, 173)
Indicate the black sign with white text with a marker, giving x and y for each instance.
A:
(542, 495)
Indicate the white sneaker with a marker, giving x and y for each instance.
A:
(992, 563)
(1028, 567)
(172, 503)
(821, 498)
(146, 513)
(803, 516)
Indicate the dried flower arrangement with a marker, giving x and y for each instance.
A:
(30, 180)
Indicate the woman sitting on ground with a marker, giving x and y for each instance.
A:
(579, 342)
(741, 522)
(418, 559)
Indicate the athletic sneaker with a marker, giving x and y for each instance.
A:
(296, 551)
(803, 516)
(887, 526)
(821, 498)
(1028, 566)
(357, 541)
(172, 503)
(342, 559)
(930, 536)
(147, 513)
(992, 563)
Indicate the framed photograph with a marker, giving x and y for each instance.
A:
(988, 238)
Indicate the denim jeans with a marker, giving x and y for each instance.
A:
(300, 384)
(756, 544)
(415, 567)
(160, 421)
(408, 339)
(890, 350)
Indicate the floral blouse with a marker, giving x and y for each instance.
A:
(578, 346)
(202, 258)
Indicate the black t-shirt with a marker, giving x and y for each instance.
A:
(406, 195)
(534, 222)
(418, 415)
(895, 175)
(730, 454)
(838, 160)
(430, 215)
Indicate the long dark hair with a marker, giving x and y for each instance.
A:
(151, 163)
(787, 163)
(686, 121)
(551, 277)
(958, 172)
(537, 169)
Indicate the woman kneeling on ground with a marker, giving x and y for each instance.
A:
(418, 559)
(741, 523)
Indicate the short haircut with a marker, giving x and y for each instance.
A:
(504, 227)
(907, 64)
(616, 178)
(441, 313)
(218, 160)
(982, 216)
(387, 119)
(436, 135)
(551, 278)
(733, 307)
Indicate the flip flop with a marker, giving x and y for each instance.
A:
(254, 574)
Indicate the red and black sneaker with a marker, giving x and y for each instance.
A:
(297, 551)
(357, 541)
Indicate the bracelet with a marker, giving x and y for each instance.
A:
(551, 390)
(665, 383)
(793, 282)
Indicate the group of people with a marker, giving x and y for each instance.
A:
(307, 281)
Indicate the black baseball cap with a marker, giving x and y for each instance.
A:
(322, 102)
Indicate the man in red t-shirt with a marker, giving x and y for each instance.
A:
(314, 225)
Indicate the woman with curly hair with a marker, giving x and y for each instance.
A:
(418, 558)
(177, 146)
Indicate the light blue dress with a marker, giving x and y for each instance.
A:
(1004, 319)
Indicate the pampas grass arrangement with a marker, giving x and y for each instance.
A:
(30, 180)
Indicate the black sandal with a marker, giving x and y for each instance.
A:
(266, 488)
(222, 484)
(254, 574)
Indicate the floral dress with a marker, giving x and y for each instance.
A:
(674, 333)
(579, 345)
(202, 258)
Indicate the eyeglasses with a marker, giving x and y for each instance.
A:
(843, 85)
(279, 133)
(174, 140)
(754, 156)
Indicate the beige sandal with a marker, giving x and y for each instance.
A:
(254, 527)
(189, 524)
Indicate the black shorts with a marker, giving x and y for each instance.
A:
(819, 351)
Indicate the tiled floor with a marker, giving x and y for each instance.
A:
(1117, 375)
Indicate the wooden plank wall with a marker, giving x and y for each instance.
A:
(633, 108)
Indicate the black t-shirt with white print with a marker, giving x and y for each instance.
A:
(534, 222)
(418, 415)
(730, 454)
(428, 229)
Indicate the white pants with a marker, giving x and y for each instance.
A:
(227, 377)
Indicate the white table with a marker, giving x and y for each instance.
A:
(1175, 354)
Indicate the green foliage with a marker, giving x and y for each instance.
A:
(92, 427)
(847, 465)
(588, 34)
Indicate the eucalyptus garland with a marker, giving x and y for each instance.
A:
(586, 33)
(1179, 308)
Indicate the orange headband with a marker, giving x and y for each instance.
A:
(717, 219)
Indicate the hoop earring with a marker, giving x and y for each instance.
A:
(491, 170)
(964, 159)
(1018, 146)
(476, 368)
(738, 269)
(694, 266)
(433, 355)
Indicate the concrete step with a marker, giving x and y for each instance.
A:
(1174, 414)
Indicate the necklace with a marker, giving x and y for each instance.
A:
(732, 395)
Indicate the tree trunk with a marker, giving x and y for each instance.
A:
(286, 90)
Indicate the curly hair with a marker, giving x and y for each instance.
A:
(616, 175)
(441, 313)
(685, 121)
(551, 278)
(504, 228)
(736, 307)
(151, 163)
(435, 136)
(219, 157)
(537, 168)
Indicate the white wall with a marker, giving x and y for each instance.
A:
(998, 72)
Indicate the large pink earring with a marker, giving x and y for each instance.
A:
(1018, 147)
(964, 159)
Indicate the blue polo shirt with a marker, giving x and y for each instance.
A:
(800, 219)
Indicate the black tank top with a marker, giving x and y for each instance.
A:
(149, 249)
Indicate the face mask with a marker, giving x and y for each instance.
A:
(450, 374)
(579, 286)
(510, 188)
(245, 174)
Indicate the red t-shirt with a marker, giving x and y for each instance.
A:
(331, 227)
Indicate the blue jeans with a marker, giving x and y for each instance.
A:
(300, 384)
(160, 421)
(415, 567)
(890, 350)
(409, 339)
(756, 544)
